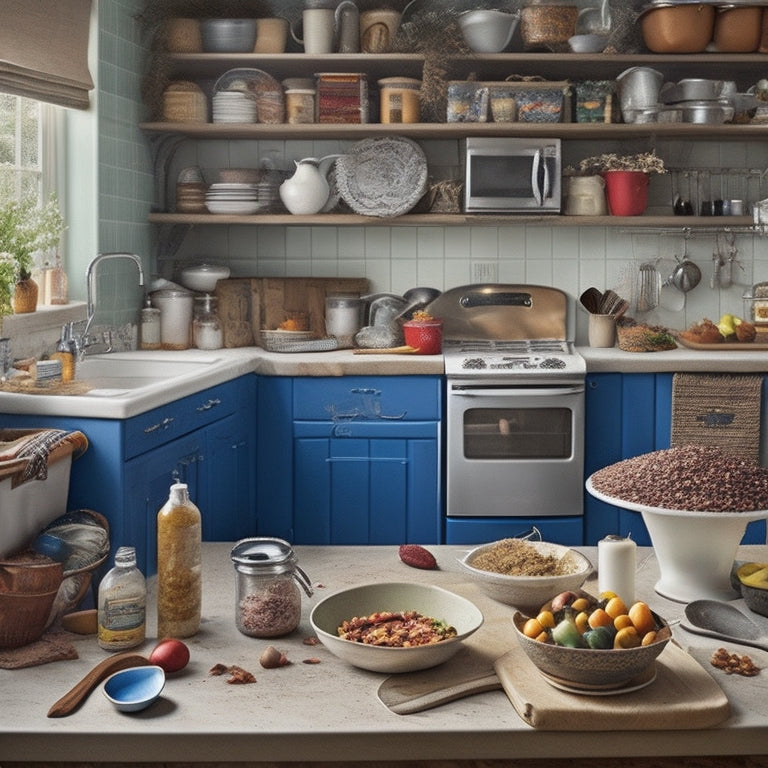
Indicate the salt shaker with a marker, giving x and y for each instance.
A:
(268, 600)
(616, 564)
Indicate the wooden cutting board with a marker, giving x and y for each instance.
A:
(682, 696)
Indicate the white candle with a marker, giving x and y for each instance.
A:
(616, 564)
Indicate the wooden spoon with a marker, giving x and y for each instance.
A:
(71, 700)
(591, 299)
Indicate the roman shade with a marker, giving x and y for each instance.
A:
(44, 50)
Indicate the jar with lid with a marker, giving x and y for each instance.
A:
(548, 24)
(175, 307)
(399, 100)
(343, 318)
(122, 604)
(150, 327)
(300, 105)
(179, 565)
(268, 600)
(207, 332)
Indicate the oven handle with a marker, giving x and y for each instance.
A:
(577, 389)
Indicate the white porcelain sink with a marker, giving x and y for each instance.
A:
(111, 375)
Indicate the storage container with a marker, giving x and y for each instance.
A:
(26, 509)
(548, 24)
(342, 97)
(533, 101)
(738, 28)
(683, 27)
(399, 100)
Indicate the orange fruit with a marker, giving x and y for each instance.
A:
(642, 618)
(600, 618)
(626, 638)
(615, 607)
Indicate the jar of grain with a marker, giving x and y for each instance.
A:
(267, 596)
(400, 100)
(548, 24)
(300, 105)
(179, 565)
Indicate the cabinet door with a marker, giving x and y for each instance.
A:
(366, 490)
(227, 480)
(148, 479)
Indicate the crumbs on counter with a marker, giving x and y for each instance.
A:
(733, 664)
(237, 675)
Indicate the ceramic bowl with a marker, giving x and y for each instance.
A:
(203, 277)
(529, 593)
(756, 599)
(586, 667)
(487, 31)
(228, 35)
(366, 599)
(588, 43)
(135, 688)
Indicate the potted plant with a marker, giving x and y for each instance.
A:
(25, 229)
(626, 179)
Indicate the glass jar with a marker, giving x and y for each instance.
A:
(150, 327)
(122, 604)
(300, 105)
(268, 600)
(207, 332)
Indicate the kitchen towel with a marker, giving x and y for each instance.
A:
(718, 411)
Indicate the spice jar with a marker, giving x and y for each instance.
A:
(268, 600)
(207, 332)
(150, 327)
(179, 565)
(122, 604)
(399, 100)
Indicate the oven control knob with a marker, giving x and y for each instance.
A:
(552, 362)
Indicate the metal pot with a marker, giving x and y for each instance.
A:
(638, 88)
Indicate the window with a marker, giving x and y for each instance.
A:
(21, 148)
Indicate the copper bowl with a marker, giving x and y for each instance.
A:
(684, 27)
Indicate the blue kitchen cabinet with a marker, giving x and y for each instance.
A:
(358, 463)
(628, 414)
(205, 440)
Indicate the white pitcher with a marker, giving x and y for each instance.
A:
(307, 191)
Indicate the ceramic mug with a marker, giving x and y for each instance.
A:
(318, 29)
(271, 35)
(378, 29)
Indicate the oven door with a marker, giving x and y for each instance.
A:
(515, 451)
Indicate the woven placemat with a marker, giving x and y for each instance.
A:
(719, 411)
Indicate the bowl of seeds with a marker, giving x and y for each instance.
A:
(523, 573)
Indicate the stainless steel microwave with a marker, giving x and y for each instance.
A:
(504, 175)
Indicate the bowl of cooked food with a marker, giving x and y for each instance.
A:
(583, 643)
(523, 573)
(394, 626)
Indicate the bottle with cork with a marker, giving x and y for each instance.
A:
(179, 565)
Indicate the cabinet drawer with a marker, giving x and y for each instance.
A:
(161, 425)
(388, 398)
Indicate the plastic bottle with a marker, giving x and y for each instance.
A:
(122, 604)
(179, 566)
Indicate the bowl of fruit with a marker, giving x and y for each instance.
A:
(582, 642)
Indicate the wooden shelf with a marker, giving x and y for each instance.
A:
(451, 220)
(572, 131)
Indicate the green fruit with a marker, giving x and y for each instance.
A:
(565, 633)
(600, 638)
(726, 326)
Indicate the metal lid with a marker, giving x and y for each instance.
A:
(262, 552)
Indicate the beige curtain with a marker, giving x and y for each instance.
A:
(44, 50)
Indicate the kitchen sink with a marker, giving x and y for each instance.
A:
(114, 374)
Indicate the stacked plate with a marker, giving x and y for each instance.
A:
(237, 199)
(234, 107)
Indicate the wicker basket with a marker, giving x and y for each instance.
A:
(23, 618)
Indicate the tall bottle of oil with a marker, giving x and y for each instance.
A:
(179, 566)
(122, 604)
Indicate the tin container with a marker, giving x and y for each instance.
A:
(342, 97)
(399, 100)
(267, 575)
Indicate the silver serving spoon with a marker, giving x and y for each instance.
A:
(722, 620)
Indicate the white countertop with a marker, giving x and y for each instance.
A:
(330, 711)
(231, 363)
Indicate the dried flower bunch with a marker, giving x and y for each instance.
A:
(647, 162)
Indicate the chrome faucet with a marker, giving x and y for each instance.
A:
(82, 340)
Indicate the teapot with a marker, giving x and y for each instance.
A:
(307, 191)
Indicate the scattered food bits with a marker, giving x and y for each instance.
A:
(237, 675)
(312, 660)
(733, 664)
(310, 641)
(417, 557)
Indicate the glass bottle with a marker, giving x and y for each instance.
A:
(56, 287)
(150, 326)
(267, 598)
(207, 332)
(179, 566)
(122, 604)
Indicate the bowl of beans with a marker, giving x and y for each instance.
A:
(394, 627)
(523, 573)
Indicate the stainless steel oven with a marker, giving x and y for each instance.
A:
(515, 403)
